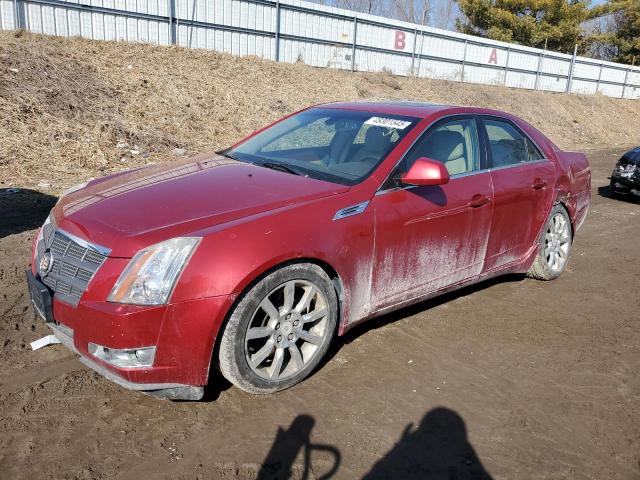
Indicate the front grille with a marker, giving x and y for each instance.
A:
(73, 264)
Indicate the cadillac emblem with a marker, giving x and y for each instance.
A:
(46, 262)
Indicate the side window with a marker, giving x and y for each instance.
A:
(507, 145)
(311, 135)
(534, 153)
(454, 143)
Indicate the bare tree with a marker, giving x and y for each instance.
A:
(445, 15)
(437, 13)
(372, 7)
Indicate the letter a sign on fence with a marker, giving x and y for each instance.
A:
(400, 42)
(493, 58)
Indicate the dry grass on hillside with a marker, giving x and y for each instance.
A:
(69, 106)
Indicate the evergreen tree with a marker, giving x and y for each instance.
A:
(556, 23)
(626, 34)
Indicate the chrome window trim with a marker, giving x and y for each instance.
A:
(416, 140)
(520, 164)
(468, 174)
(517, 127)
(381, 191)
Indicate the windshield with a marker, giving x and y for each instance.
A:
(342, 146)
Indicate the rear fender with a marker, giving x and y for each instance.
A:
(573, 187)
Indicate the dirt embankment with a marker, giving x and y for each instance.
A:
(73, 109)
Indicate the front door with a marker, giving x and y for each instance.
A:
(430, 237)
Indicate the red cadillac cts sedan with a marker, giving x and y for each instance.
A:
(251, 260)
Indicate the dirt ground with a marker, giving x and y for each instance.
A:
(509, 379)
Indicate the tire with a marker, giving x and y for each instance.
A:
(554, 246)
(280, 330)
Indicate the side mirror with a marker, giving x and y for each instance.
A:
(425, 171)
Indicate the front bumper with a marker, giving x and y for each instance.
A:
(183, 333)
(170, 391)
(620, 184)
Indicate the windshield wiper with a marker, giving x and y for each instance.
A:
(280, 167)
(272, 165)
(226, 153)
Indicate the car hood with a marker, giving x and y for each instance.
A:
(131, 210)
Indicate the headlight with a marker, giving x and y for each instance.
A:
(151, 275)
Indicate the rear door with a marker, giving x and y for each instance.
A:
(430, 237)
(523, 182)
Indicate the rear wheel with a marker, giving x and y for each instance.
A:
(554, 246)
(280, 330)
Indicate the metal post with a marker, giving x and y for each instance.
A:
(506, 67)
(599, 78)
(171, 33)
(464, 59)
(540, 61)
(16, 15)
(413, 53)
(626, 77)
(424, 16)
(353, 44)
(535, 85)
(573, 63)
(277, 38)
(177, 27)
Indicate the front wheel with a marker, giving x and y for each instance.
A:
(554, 246)
(280, 330)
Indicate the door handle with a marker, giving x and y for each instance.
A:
(478, 200)
(539, 183)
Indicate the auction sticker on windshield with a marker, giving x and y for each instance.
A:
(388, 122)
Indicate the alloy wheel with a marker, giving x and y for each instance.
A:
(287, 330)
(557, 241)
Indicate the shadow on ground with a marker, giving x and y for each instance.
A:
(438, 448)
(292, 442)
(409, 311)
(22, 210)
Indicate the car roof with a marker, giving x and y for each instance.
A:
(409, 108)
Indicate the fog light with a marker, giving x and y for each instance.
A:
(124, 358)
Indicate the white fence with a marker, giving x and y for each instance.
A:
(292, 30)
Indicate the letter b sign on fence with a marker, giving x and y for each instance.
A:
(400, 40)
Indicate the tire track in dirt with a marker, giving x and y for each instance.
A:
(17, 382)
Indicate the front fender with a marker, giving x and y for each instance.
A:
(231, 256)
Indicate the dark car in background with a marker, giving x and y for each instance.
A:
(625, 178)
